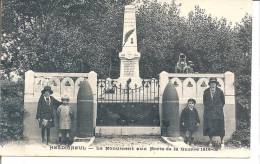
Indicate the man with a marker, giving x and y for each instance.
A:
(214, 101)
(45, 112)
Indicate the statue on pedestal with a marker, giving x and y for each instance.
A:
(182, 66)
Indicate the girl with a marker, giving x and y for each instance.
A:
(65, 115)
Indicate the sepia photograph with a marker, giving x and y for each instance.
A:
(126, 78)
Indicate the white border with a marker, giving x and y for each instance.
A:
(255, 106)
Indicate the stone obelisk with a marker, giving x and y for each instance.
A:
(129, 57)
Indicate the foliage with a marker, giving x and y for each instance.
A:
(63, 36)
(241, 137)
(11, 118)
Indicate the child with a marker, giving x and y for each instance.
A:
(65, 115)
(189, 121)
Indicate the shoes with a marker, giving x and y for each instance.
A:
(67, 141)
(192, 141)
(222, 146)
(186, 140)
(60, 141)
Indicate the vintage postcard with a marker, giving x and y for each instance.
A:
(126, 78)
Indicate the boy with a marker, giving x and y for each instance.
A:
(189, 121)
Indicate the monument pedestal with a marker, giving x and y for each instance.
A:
(127, 131)
(129, 69)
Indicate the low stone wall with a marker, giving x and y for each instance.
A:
(187, 86)
(61, 84)
(193, 86)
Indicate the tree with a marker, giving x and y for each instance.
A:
(242, 56)
(160, 37)
(68, 36)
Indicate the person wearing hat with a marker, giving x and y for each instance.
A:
(214, 101)
(65, 116)
(189, 121)
(47, 104)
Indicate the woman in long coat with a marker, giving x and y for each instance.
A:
(45, 112)
(214, 101)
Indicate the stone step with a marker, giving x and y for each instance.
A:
(127, 130)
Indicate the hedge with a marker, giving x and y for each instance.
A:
(11, 110)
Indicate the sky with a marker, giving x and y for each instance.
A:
(232, 10)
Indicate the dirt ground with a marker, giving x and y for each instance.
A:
(122, 146)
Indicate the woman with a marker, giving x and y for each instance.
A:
(214, 101)
(45, 112)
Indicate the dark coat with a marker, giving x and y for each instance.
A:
(213, 113)
(46, 111)
(190, 118)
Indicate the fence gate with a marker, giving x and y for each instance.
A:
(128, 105)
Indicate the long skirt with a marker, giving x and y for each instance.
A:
(214, 127)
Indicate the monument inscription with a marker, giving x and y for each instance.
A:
(129, 67)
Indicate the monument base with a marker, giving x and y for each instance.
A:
(127, 131)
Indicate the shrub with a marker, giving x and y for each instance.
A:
(241, 137)
(11, 111)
